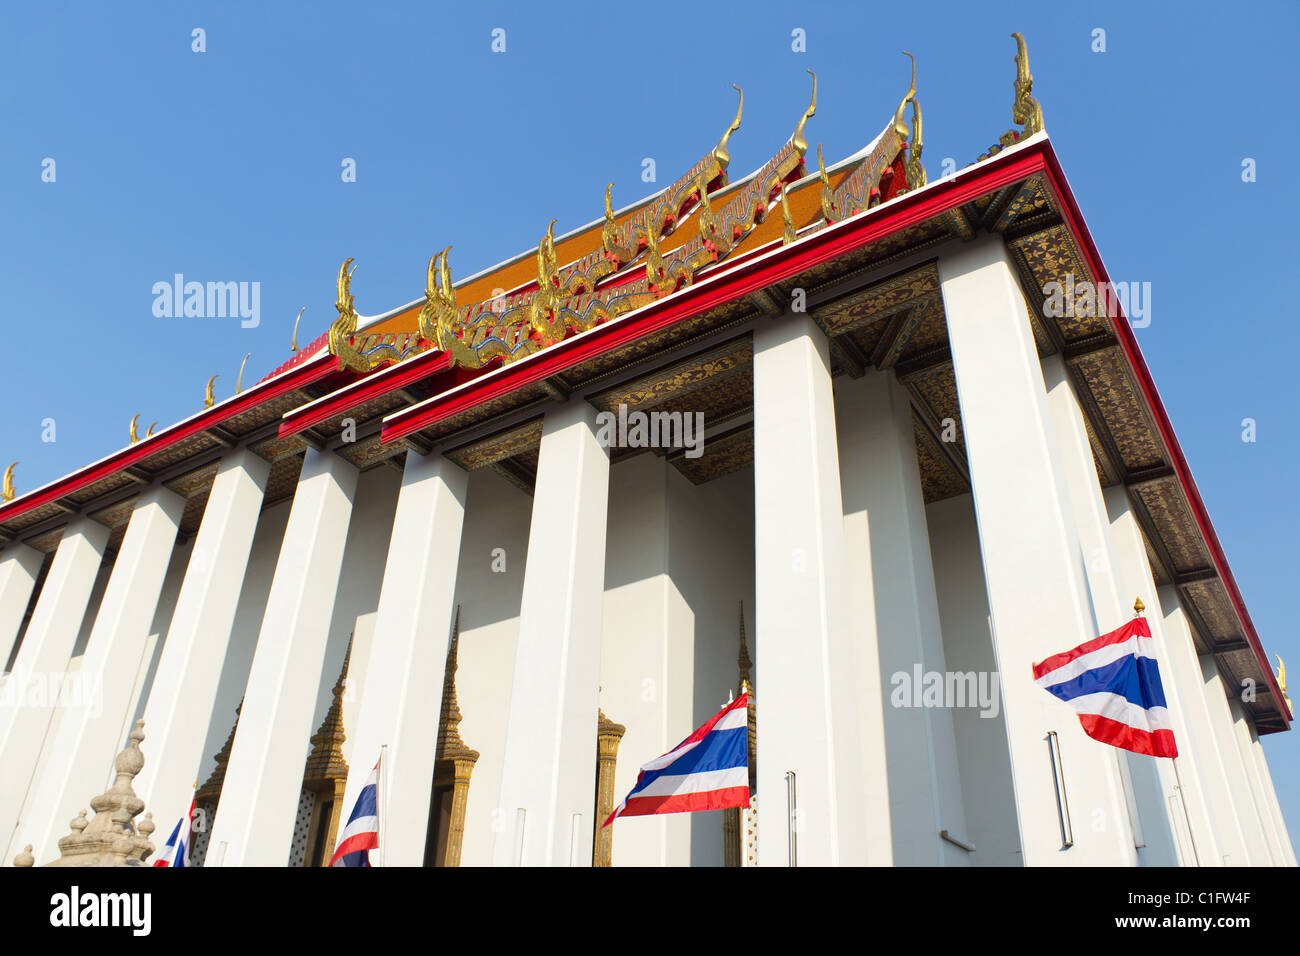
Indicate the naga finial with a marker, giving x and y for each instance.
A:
(431, 279)
(149, 433)
(7, 492)
(444, 276)
(900, 126)
(797, 139)
(239, 382)
(609, 206)
(547, 269)
(828, 196)
(131, 430)
(345, 299)
(720, 153)
(293, 342)
(209, 393)
(916, 177)
(1025, 109)
(788, 232)
(1281, 682)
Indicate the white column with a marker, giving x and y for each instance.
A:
(913, 783)
(1200, 770)
(1038, 596)
(1234, 769)
(26, 705)
(88, 738)
(544, 816)
(19, 568)
(401, 698)
(1243, 734)
(1161, 836)
(1269, 796)
(259, 798)
(184, 688)
(808, 713)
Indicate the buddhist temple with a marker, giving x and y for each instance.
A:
(493, 541)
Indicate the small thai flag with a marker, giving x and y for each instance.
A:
(176, 852)
(1113, 682)
(709, 770)
(361, 835)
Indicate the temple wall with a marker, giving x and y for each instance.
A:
(983, 758)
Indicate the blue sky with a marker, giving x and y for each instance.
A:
(225, 166)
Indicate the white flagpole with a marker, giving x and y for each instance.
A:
(382, 802)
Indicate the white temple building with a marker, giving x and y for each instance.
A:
(482, 535)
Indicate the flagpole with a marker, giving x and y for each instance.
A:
(1138, 608)
(382, 802)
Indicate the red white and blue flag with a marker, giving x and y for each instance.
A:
(361, 835)
(1113, 683)
(709, 770)
(176, 852)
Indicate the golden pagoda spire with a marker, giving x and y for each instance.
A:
(210, 792)
(325, 763)
(743, 663)
(450, 744)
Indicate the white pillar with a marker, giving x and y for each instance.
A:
(912, 778)
(1243, 735)
(184, 688)
(26, 705)
(88, 738)
(1038, 596)
(19, 568)
(1204, 790)
(1149, 782)
(259, 798)
(544, 816)
(808, 714)
(1269, 796)
(401, 698)
(1234, 769)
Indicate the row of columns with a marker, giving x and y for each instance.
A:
(846, 600)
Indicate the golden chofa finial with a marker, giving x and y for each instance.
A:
(445, 288)
(1025, 109)
(7, 492)
(209, 393)
(431, 278)
(131, 429)
(293, 342)
(797, 139)
(788, 232)
(1281, 682)
(720, 154)
(345, 301)
(609, 205)
(914, 170)
(239, 382)
(1138, 607)
(900, 125)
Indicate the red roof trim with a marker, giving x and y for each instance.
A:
(267, 389)
(1124, 332)
(398, 376)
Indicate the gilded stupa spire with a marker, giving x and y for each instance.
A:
(210, 792)
(325, 762)
(450, 745)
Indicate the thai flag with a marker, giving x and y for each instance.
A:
(709, 770)
(1113, 682)
(361, 835)
(177, 850)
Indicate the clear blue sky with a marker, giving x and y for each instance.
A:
(225, 166)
